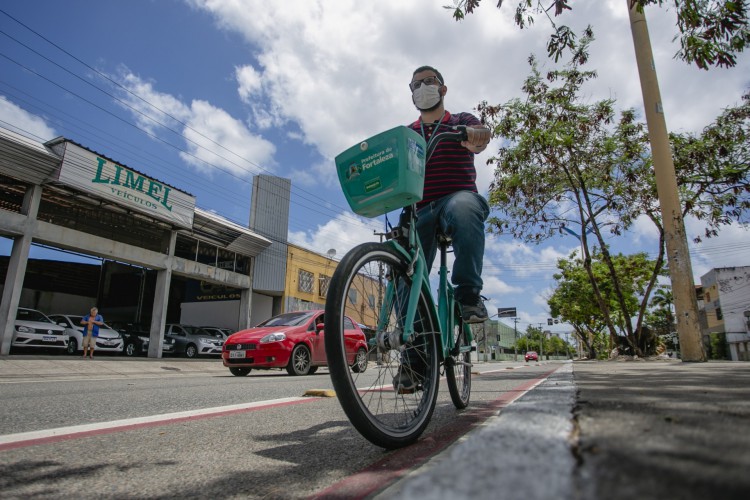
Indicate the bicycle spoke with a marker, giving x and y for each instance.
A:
(391, 402)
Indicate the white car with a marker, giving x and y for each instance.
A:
(109, 340)
(219, 333)
(34, 329)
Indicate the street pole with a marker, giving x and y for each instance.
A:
(515, 339)
(541, 341)
(678, 258)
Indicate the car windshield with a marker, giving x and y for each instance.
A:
(289, 319)
(32, 315)
(196, 330)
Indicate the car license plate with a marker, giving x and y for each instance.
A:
(49, 338)
(236, 354)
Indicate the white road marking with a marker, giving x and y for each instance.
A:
(22, 439)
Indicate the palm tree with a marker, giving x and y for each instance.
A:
(663, 299)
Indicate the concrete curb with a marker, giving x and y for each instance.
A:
(506, 456)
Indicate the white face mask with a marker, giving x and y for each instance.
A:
(426, 96)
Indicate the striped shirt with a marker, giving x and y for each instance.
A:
(451, 167)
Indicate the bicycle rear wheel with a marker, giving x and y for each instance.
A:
(379, 406)
(458, 365)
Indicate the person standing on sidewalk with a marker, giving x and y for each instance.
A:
(91, 323)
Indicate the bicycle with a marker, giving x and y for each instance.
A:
(388, 282)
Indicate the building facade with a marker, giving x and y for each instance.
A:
(726, 305)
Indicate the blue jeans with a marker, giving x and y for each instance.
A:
(461, 216)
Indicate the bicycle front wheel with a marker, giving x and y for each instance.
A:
(392, 403)
(458, 364)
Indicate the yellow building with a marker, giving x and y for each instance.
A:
(308, 275)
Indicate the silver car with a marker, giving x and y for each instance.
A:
(109, 340)
(193, 341)
(34, 329)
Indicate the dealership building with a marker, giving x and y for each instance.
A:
(162, 257)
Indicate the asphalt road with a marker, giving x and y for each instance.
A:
(287, 446)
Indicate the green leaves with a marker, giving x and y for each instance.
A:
(711, 32)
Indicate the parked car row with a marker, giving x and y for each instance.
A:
(64, 333)
(136, 339)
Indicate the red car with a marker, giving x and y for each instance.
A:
(531, 355)
(294, 341)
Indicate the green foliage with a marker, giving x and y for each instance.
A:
(713, 169)
(535, 340)
(712, 32)
(717, 346)
(574, 300)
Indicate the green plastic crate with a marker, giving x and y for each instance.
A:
(384, 172)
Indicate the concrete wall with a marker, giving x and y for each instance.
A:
(225, 313)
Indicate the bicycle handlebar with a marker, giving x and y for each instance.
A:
(456, 133)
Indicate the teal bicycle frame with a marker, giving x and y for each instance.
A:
(444, 314)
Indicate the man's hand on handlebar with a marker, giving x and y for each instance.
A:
(477, 139)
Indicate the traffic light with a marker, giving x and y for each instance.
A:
(549, 321)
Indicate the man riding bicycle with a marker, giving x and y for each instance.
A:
(451, 203)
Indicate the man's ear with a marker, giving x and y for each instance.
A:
(443, 90)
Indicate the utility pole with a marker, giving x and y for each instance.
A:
(515, 339)
(541, 341)
(678, 258)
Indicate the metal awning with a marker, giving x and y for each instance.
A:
(25, 159)
(227, 234)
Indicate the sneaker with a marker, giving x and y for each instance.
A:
(473, 310)
(406, 381)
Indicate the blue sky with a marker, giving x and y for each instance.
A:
(205, 94)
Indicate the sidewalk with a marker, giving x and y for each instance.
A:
(64, 367)
(606, 430)
(663, 430)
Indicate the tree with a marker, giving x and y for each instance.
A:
(574, 302)
(569, 163)
(713, 169)
(712, 32)
(660, 319)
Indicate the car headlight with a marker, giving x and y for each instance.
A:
(25, 329)
(273, 337)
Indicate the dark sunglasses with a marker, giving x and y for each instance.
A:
(430, 80)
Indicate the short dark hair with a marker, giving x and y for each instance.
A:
(429, 68)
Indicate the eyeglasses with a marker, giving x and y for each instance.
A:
(430, 80)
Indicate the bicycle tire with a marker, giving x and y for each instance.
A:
(386, 416)
(458, 365)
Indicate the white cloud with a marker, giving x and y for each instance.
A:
(22, 122)
(215, 138)
(249, 82)
(210, 138)
(340, 234)
(316, 176)
(340, 70)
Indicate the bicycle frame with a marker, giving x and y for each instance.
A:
(445, 311)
